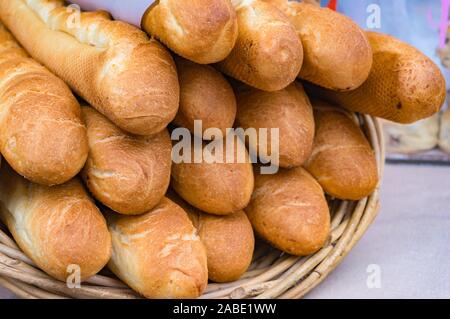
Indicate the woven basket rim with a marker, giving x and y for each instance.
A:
(271, 275)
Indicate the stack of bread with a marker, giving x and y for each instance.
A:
(95, 185)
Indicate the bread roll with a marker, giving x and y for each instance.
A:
(337, 54)
(268, 54)
(158, 254)
(404, 85)
(206, 96)
(444, 136)
(289, 211)
(229, 241)
(129, 174)
(41, 133)
(114, 66)
(218, 187)
(203, 31)
(342, 159)
(289, 110)
(55, 226)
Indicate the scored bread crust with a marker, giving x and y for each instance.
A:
(114, 66)
(41, 133)
(268, 54)
(130, 174)
(404, 85)
(56, 227)
(203, 31)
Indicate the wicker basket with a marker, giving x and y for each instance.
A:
(271, 275)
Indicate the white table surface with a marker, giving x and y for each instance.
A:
(408, 245)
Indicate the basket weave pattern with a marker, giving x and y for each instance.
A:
(271, 275)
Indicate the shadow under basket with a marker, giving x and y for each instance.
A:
(272, 274)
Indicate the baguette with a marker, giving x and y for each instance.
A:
(203, 31)
(290, 111)
(129, 174)
(229, 241)
(56, 227)
(41, 133)
(404, 85)
(289, 210)
(158, 254)
(205, 95)
(114, 66)
(337, 54)
(268, 54)
(342, 159)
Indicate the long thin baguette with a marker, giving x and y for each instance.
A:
(41, 133)
(203, 31)
(112, 65)
(58, 227)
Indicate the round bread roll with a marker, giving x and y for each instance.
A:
(342, 159)
(289, 210)
(206, 96)
(229, 241)
(129, 174)
(290, 111)
(404, 85)
(214, 186)
(158, 254)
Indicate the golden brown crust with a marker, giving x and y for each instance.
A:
(41, 133)
(204, 95)
(289, 211)
(203, 31)
(337, 54)
(404, 85)
(55, 226)
(342, 160)
(268, 54)
(289, 110)
(229, 241)
(216, 188)
(129, 174)
(112, 65)
(158, 254)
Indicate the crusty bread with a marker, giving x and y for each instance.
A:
(205, 95)
(229, 241)
(268, 54)
(158, 254)
(289, 210)
(203, 31)
(342, 159)
(404, 85)
(129, 174)
(289, 110)
(41, 133)
(219, 188)
(55, 226)
(337, 54)
(112, 65)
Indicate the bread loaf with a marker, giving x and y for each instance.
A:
(404, 85)
(158, 254)
(289, 211)
(444, 136)
(114, 66)
(56, 227)
(129, 174)
(229, 241)
(215, 185)
(342, 159)
(205, 95)
(203, 31)
(337, 54)
(289, 110)
(268, 54)
(41, 133)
